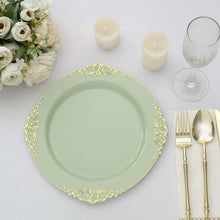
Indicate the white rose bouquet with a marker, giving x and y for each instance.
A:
(28, 42)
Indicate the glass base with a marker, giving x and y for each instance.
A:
(191, 85)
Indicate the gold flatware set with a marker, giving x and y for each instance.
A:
(203, 133)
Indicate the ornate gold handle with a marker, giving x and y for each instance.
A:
(186, 181)
(205, 179)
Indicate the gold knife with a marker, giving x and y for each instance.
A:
(217, 118)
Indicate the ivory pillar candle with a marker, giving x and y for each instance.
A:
(107, 33)
(155, 51)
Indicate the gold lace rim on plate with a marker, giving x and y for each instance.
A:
(94, 196)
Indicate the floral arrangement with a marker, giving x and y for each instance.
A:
(28, 42)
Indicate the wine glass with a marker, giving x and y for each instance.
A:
(200, 47)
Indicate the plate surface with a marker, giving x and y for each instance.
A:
(95, 133)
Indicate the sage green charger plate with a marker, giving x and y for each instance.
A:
(95, 133)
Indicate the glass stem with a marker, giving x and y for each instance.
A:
(192, 81)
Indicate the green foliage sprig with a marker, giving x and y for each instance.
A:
(13, 9)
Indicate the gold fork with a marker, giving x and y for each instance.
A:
(183, 141)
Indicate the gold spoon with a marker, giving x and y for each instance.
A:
(203, 133)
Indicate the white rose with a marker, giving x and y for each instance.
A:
(12, 74)
(5, 26)
(27, 15)
(6, 57)
(21, 31)
(39, 69)
(36, 4)
(13, 47)
(44, 4)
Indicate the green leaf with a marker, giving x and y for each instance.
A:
(21, 53)
(13, 10)
(15, 13)
(11, 1)
(2, 9)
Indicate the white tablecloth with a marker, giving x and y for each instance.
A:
(24, 193)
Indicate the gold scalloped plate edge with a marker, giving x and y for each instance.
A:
(95, 196)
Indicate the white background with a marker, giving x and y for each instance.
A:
(24, 193)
